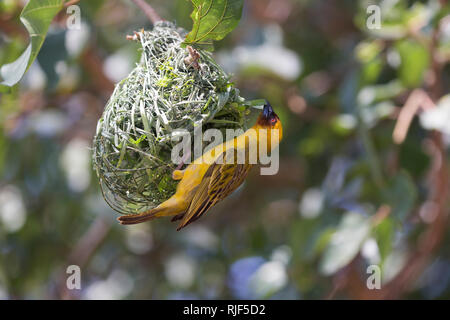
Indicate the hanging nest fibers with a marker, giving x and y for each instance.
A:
(168, 89)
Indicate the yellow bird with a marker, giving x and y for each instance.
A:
(214, 175)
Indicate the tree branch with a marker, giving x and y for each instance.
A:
(83, 251)
(437, 201)
(70, 2)
(416, 100)
(148, 10)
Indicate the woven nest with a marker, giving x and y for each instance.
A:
(133, 143)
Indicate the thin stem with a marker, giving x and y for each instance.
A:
(374, 163)
(70, 2)
(148, 10)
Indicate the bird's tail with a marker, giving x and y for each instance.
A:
(141, 217)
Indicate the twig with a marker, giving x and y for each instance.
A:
(84, 249)
(416, 100)
(90, 241)
(439, 188)
(70, 3)
(12, 29)
(148, 10)
(438, 185)
(135, 36)
(192, 59)
(432, 237)
(92, 63)
(438, 194)
(382, 213)
(374, 163)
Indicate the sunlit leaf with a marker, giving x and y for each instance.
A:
(371, 70)
(36, 16)
(414, 62)
(437, 118)
(345, 243)
(384, 233)
(401, 195)
(380, 92)
(367, 51)
(213, 20)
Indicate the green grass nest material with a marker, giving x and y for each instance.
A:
(132, 145)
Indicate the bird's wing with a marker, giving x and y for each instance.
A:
(219, 181)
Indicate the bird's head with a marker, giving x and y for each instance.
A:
(268, 118)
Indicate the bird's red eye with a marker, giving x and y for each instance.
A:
(273, 120)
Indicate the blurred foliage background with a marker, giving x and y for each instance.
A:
(363, 177)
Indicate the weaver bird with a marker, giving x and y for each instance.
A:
(216, 174)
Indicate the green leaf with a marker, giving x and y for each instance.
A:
(384, 234)
(401, 194)
(13, 72)
(414, 62)
(213, 20)
(345, 243)
(53, 50)
(36, 16)
(257, 103)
